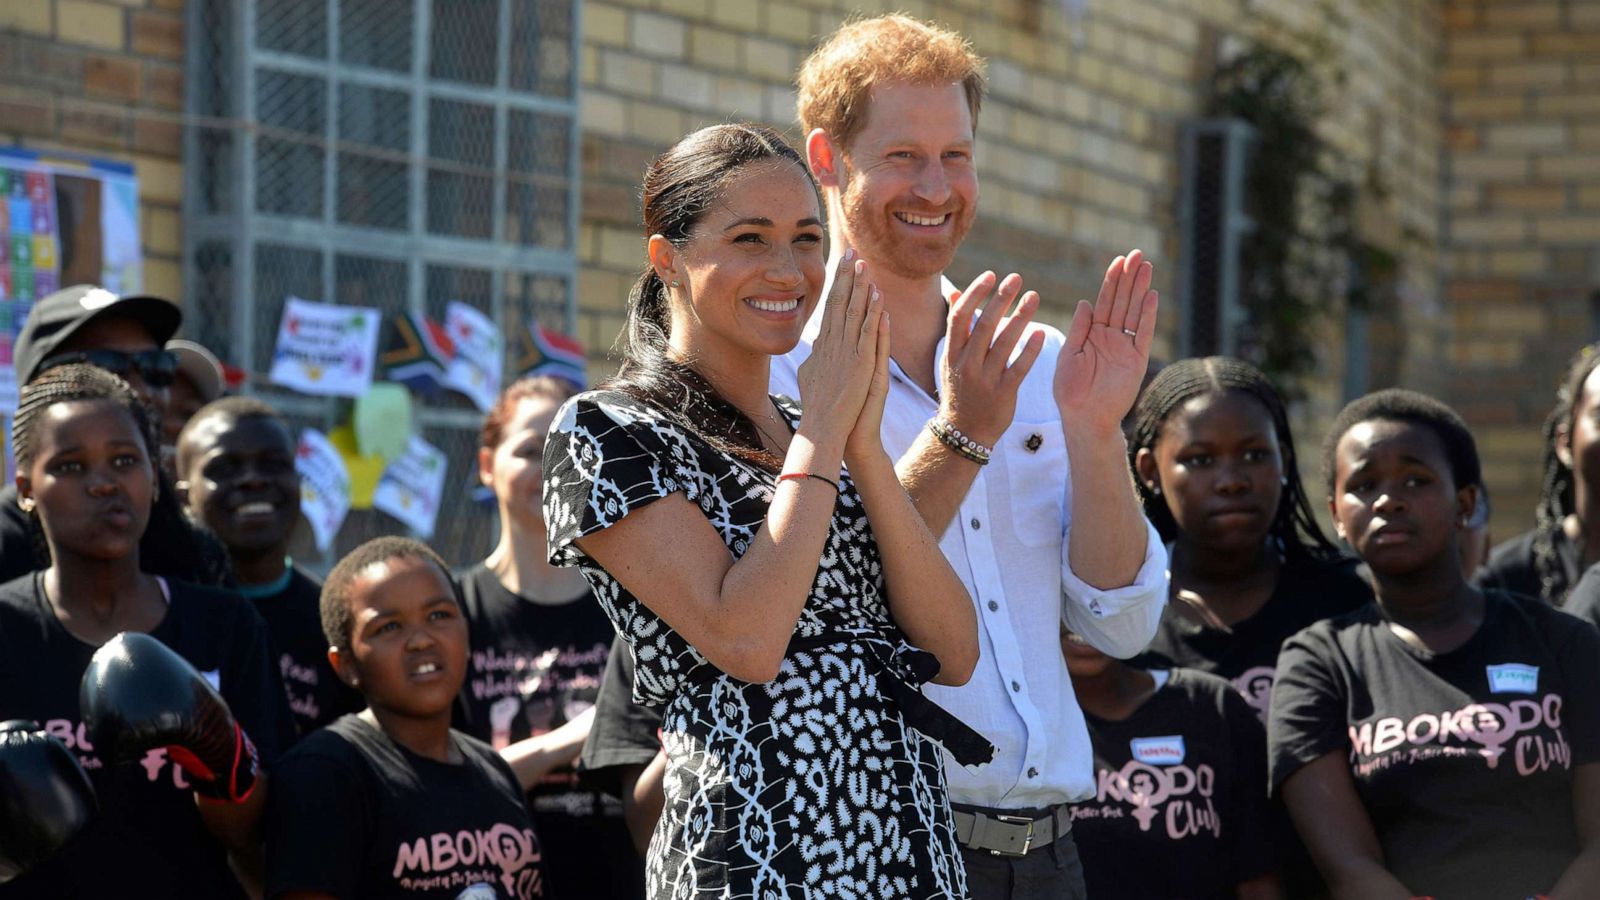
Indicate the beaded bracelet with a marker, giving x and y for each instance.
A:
(796, 476)
(960, 444)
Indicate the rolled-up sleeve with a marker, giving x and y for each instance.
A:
(1119, 622)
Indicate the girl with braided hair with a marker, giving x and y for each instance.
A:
(1215, 465)
(86, 453)
(1547, 561)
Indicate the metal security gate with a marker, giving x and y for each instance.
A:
(397, 154)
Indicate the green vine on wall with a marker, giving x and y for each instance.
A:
(1297, 260)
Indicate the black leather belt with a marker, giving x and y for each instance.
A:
(908, 669)
(1003, 834)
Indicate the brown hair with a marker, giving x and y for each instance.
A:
(835, 79)
(494, 424)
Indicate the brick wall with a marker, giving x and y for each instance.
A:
(1521, 82)
(106, 79)
(1078, 139)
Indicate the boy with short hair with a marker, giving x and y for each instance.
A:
(237, 476)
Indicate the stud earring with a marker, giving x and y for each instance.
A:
(675, 284)
(1155, 489)
(1283, 480)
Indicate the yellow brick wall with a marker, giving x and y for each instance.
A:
(105, 79)
(1078, 139)
(1521, 213)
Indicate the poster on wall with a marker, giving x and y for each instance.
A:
(64, 219)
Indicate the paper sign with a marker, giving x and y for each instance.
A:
(413, 487)
(324, 486)
(475, 371)
(326, 349)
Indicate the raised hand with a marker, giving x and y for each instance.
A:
(836, 377)
(867, 435)
(980, 378)
(1108, 347)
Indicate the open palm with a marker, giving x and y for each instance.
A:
(1108, 347)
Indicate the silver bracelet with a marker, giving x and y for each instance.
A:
(964, 446)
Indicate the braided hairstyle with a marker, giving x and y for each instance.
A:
(680, 187)
(171, 545)
(1557, 497)
(1293, 525)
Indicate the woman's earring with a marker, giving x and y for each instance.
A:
(675, 284)
(1155, 489)
(1283, 480)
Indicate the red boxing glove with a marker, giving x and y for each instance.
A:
(138, 695)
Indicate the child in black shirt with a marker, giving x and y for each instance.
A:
(1444, 741)
(237, 476)
(540, 642)
(1216, 468)
(392, 802)
(86, 461)
(1179, 810)
(1547, 561)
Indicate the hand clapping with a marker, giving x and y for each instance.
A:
(844, 380)
(1098, 375)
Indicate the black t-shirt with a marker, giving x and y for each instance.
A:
(1510, 566)
(294, 622)
(1180, 808)
(17, 554)
(1463, 760)
(148, 839)
(625, 734)
(1247, 653)
(356, 815)
(1584, 600)
(534, 667)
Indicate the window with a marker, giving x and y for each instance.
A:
(398, 154)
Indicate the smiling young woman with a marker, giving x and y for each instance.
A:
(751, 553)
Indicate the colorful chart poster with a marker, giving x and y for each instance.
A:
(39, 191)
(412, 487)
(324, 486)
(326, 349)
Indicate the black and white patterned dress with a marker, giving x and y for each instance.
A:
(812, 785)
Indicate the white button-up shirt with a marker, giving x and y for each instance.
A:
(1008, 544)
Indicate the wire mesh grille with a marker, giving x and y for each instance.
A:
(394, 154)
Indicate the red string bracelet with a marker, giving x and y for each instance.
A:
(796, 476)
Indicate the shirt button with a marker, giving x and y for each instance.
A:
(976, 524)
(993, 606)
(1033, 773)
(1016, 686)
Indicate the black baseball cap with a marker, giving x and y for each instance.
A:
(56, 318)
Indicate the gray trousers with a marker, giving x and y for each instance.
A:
(1048, 873)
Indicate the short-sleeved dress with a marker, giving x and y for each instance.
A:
(811, 785)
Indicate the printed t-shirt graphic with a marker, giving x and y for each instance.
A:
(1180, 808)
(354, 814)
(293, 615)
(1246, 653)
(1464, 759)
(149, 839)
(533, 668)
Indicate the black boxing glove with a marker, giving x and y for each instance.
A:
(137, 695)
(45, 798)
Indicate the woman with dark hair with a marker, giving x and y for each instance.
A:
(86, 452)
(1547, 561)
(1443, 740)
(1217, 471)
(539, 648)
(780, 595)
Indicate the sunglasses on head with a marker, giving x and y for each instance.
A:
(156, 367)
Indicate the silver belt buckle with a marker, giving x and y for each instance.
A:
(1027, 840)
